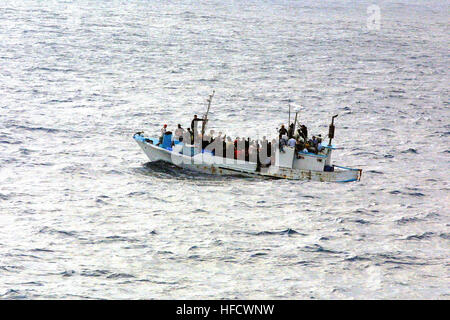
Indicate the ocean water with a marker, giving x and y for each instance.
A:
(84, 215)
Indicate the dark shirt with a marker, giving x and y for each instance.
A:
(194, 123)
(291, 131)
(304, 131)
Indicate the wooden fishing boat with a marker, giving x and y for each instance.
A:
(285, 163)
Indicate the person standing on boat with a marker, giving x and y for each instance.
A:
(264, 151)
(229, 148)
(190, 139)
(291, 130)
(283, 142)
(163, 132)
(179, 132)
(282, 131)
(194, 123)
(304, 132)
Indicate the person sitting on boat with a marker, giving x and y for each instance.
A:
(291, 142)
(319, 138)
(319, 143)
(313, 145)
(282, 131)
(299, 145)
(178, 132)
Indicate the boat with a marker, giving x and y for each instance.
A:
(283, 163)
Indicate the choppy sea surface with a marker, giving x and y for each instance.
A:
(84, 215)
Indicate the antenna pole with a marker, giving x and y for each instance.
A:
(295, 121)
(207, 111)
(289, 121)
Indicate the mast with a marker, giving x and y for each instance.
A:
(206, 114)
(289, 121)
(295, 121)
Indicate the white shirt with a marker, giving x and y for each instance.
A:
(291, 142)
(179, 132)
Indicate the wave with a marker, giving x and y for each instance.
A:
(384, 258)
(374, 171)
(10, 142)
(405, 220)
(426, 235)
(68, 273)
(318, 248)
(120, 276)
(58, 232)
(48, 130)
(410, 150)
(94, 273)
(4, 197)
(288, 232)
(357, 258)
(14, 294)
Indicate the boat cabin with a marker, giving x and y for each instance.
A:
(304, 160)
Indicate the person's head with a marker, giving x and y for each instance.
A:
(165, 126)
(189, 129)
(282, 125)
(179, 126)
(195, 116)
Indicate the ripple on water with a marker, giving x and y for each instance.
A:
(288, 232)
(120, 276)
(425, 235)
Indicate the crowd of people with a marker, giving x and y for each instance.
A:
(299, 140)
(242, 148)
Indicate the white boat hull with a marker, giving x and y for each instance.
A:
(207, 163)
